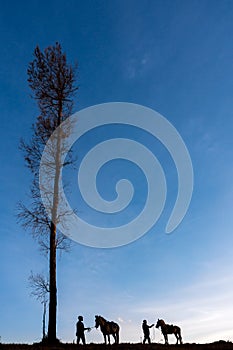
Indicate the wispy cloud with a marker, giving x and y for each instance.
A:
(203, 311)
(136, 66)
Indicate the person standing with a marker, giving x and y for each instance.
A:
(80, 330)
(146, 331)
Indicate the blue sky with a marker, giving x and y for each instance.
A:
(171, 56)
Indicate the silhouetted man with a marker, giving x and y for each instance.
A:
(80, 330)
(146, 331)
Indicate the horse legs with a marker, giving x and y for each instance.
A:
(165, 338)
(116, 337)
(109, 339)
(180, 338)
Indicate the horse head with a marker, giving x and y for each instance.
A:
(97, 321)
(159, 323)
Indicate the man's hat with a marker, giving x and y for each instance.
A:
(144, 321)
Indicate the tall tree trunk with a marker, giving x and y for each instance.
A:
(52, 325)
(52, 328)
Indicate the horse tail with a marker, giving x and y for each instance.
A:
(117, 334)
(179, 334)
(181, 341)
(115, 330)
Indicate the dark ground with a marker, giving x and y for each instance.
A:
(220, 345)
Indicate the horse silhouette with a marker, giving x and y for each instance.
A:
(108, 328)
(169, 329)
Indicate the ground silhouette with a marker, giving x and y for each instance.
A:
(219, 345)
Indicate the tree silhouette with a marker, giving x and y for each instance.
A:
(40, 290)
(52, 81)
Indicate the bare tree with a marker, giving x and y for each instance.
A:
(52, 81)
(40, 290)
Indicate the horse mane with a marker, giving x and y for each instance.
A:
(101, 317)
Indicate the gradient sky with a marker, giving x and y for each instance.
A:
(175, 57)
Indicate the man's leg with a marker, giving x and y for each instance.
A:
(83, 339)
